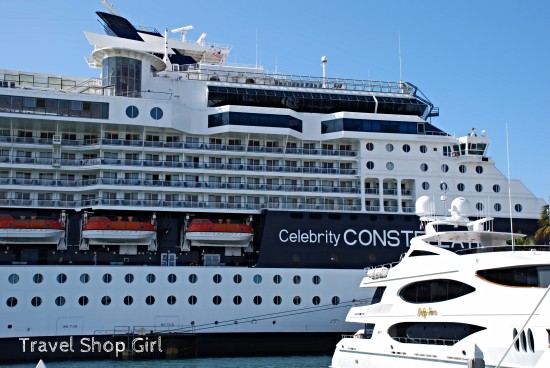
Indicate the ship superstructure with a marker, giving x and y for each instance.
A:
(172, 150)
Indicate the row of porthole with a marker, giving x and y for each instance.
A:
(132, 112)
(389, 147)
(151, 278)
(170, 300)
(424, 167)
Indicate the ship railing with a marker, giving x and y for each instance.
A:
(180, 144)
(425, 341)
(250, 76)
(14, 79)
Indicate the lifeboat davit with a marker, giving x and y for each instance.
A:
(101, 230)
(32, 230)
(204, 232)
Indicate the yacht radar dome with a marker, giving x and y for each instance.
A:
(460, 207)
(424, 206)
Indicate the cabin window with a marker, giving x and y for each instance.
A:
(83, 300)
(297, 279)
(150, 278)
(237, 279)
(335, 300)
(277, 279)
(11, 302)
(217, 278)
(107, 278)
(60, 301)
(277, 300)
(433, 291)
(316, 300)
(129, 278)
(217, 300)
(316, 280)
(237, 300)
(257, 279)
(128, 300)
(193, 278)
(172, 278)
(192, 300)
(297, 300)
(257, 300)
(171, 300)
(528, 276)
(84, 278)
(13, 278)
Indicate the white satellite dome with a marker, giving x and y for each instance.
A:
(424, 206)
(460, 207)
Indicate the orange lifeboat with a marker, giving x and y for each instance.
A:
(204, 232)
(32, 230)
(101, 230)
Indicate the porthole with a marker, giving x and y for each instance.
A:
(129, 278)
(479, 169)
(390, 165)
(296, 279)
(172, 278)
(171, 300)
(389, 147)
(150, 300)
(297, 300)
(36, 301)
(479, 206)
(277, 279)
(523, 341)
(518, 207)
(60, 301)
(460, 187)
(106, 300)
(479, 187)
(370, 146)
(128, 300)
(425, 185)
(156, 113)
(150, 278)
(257, 300)
(83, 300)
(423, 149)
(84, 278)
(132, 112)
(444, 167)
(38, 278)
(61, 278)
(424, 167)
(257, 279)
(277, 300)
(406, 148)
(107, 278)
(316, 300)
(335, 300)
(217, 300)
(217, 278)
(496, 188)
(193, 278)
(11, 301)
(370, 165)
(13, 278)
(237, 279)
(462, 169)
(443, 186)
(192, 300)
(316, 280)
(237, 300)
(497, 207)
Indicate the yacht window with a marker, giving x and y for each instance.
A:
(528, 276)
(416, 253)
(435, 333)
(377, 296)
(432, 291)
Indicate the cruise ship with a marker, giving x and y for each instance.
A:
(180, 206)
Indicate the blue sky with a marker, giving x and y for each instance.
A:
(485, 64)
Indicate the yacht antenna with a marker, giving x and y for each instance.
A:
(109, 7)
(509, 191)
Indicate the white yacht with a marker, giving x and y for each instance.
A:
(218, 207)
(485, 306)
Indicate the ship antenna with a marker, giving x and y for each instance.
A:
(509, 190)
(400, 61)
(324, 63)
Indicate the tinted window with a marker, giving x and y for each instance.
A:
(432, 291)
